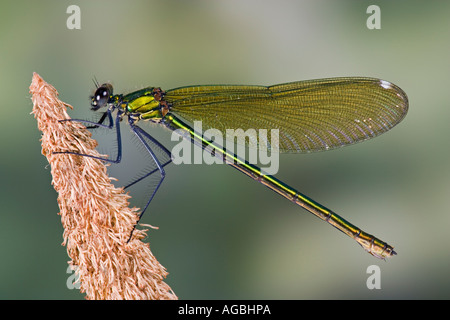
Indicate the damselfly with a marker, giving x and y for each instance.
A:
(309, 115)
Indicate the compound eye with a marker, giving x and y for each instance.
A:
(101, 96)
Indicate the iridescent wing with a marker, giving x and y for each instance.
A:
(310, 116)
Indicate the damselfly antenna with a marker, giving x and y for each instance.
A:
(95, 82)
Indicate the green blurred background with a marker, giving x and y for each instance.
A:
(223, 236)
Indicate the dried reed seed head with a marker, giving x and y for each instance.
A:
(96, 216)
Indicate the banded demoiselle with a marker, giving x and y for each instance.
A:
(310, 116)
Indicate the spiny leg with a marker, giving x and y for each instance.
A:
(111, 125)
(142, 136)
(160, 147)
(95, 124)
(99, 122)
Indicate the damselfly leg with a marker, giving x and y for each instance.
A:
(157, 164)
(98, 124)
(145, 139)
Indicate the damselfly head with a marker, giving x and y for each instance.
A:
(101, 96)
